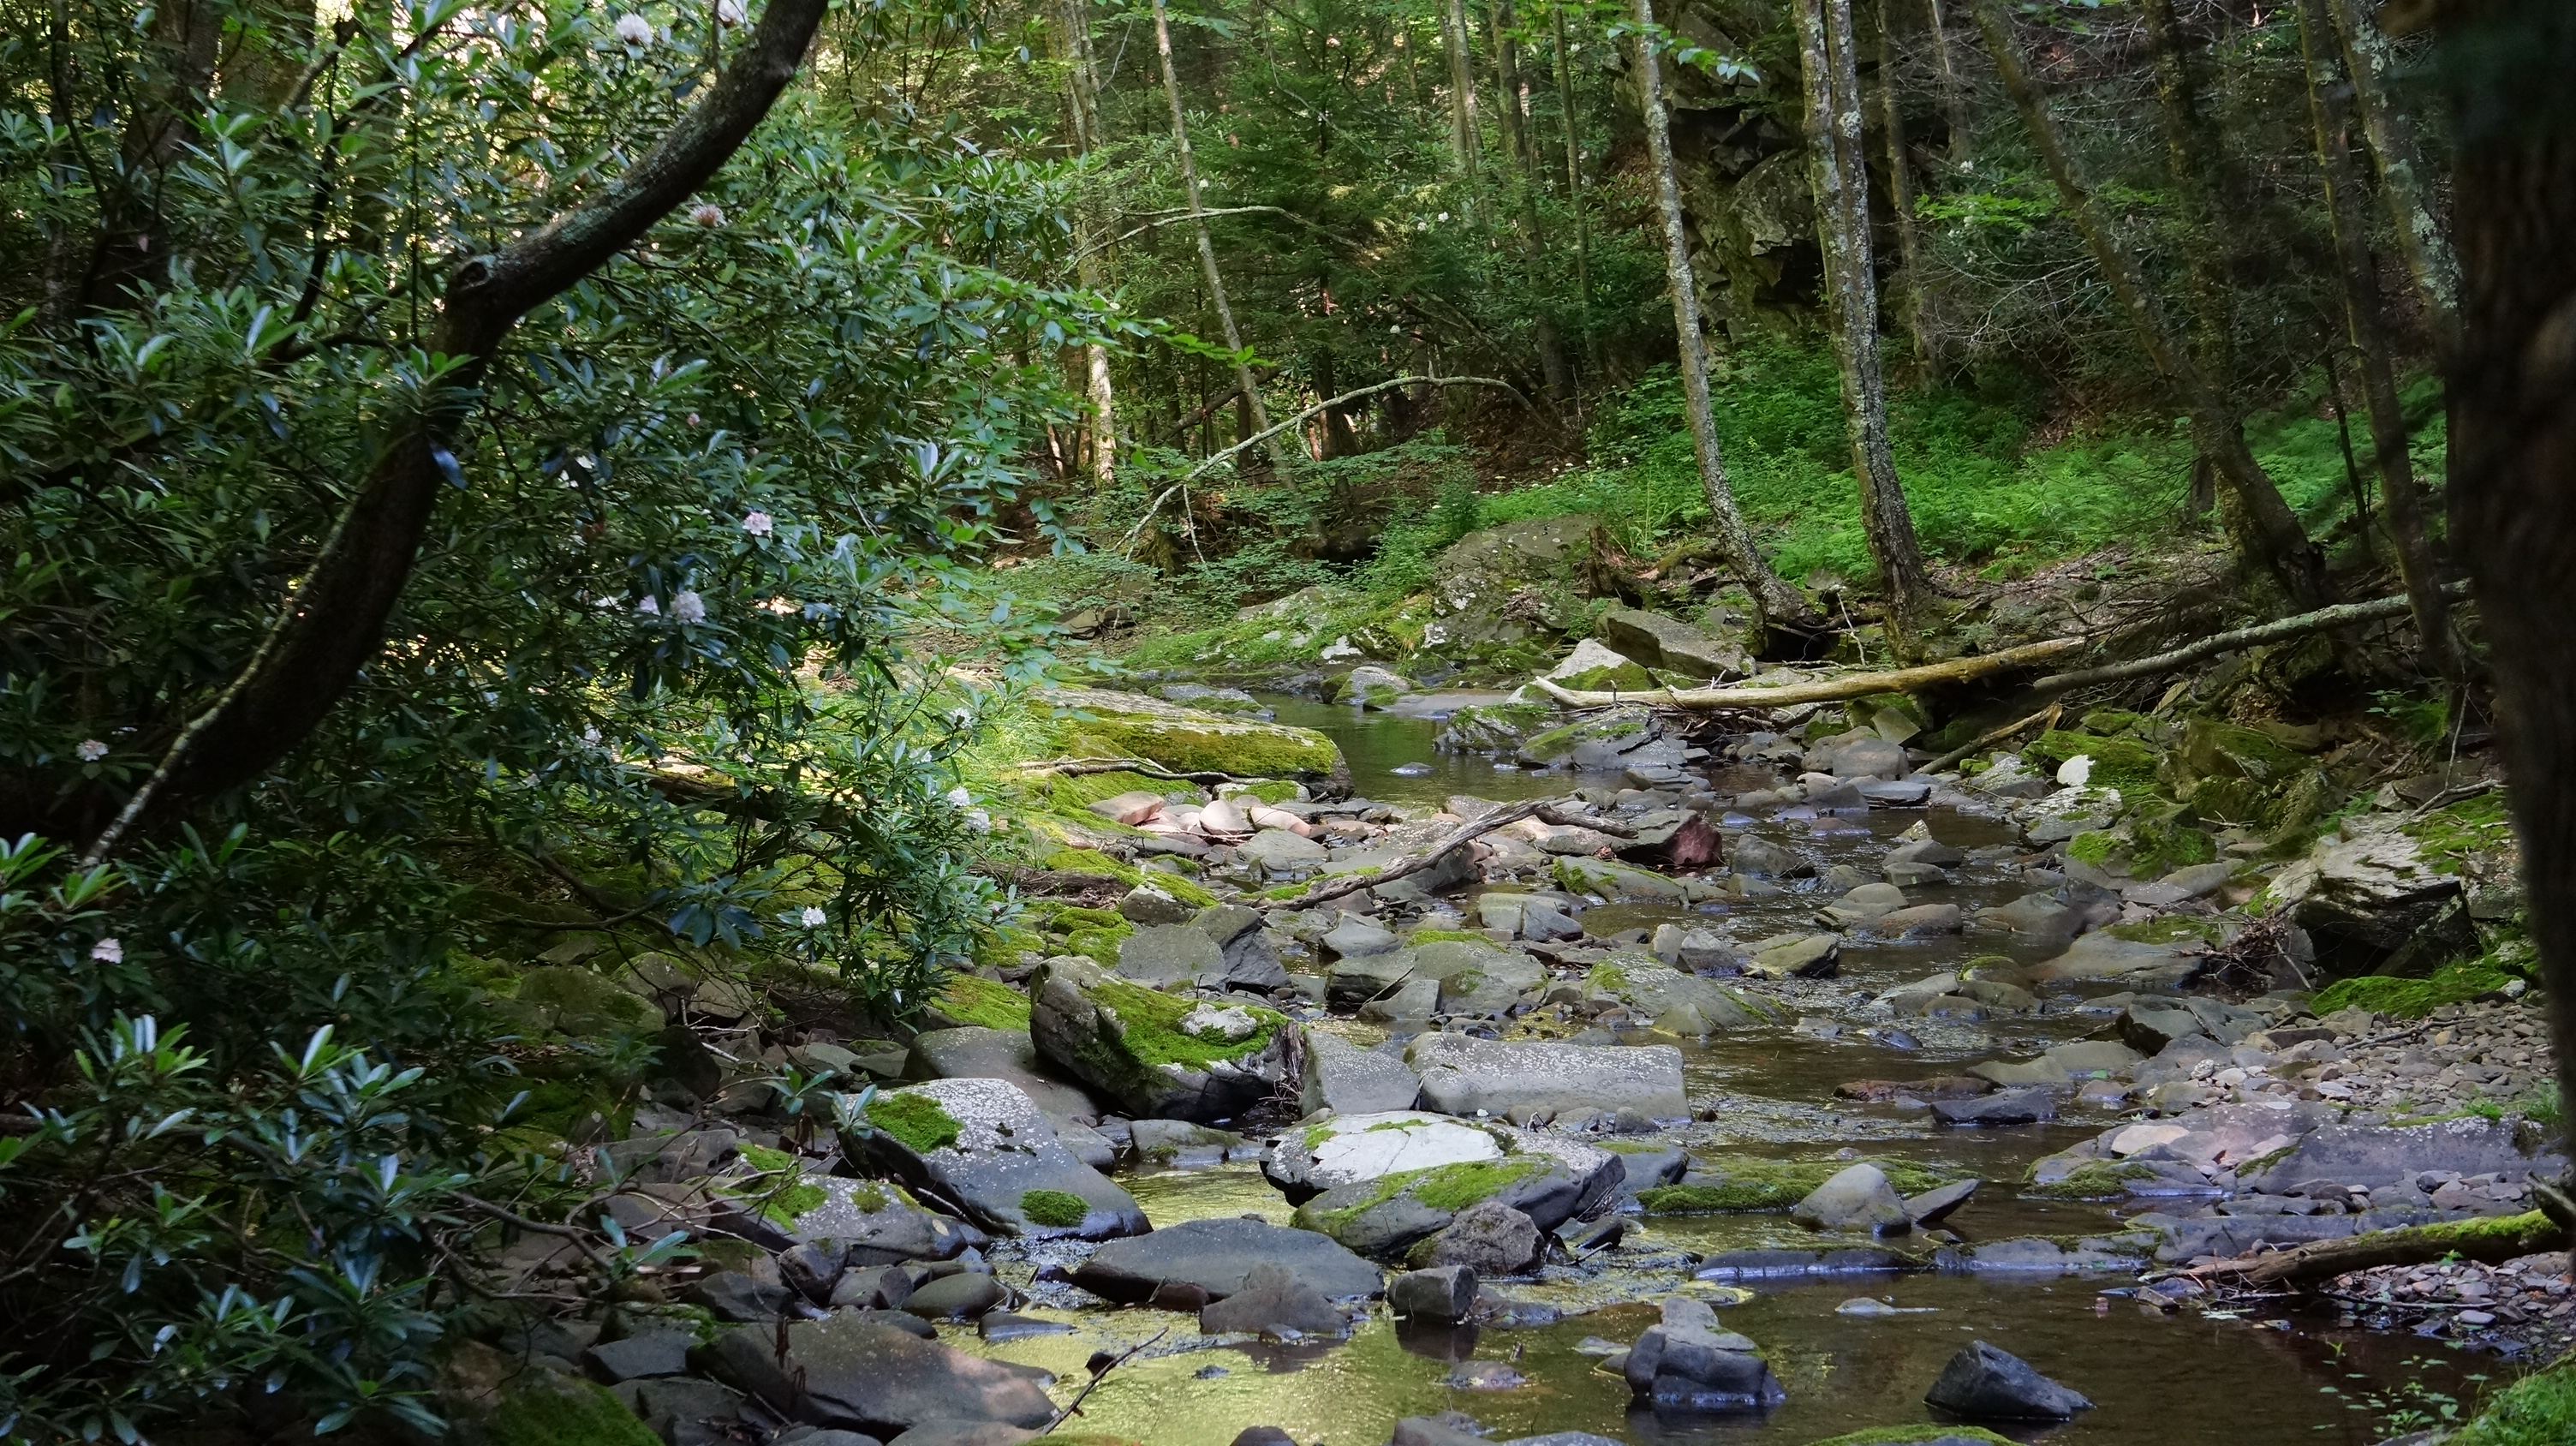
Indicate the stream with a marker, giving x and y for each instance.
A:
(2173, 1379)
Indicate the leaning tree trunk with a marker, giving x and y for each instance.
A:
(1248, 395)
(2513, 435)
(2404, 179)
(1834, 170)
(1900, 195)
(1778, 602)
(2401, 502)
(1082, 95)
(1516, 140)
(2266, 530)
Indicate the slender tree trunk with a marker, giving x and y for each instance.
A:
(1841, 186)
(2191, 150)
(1463, 130)
(1516, 138)
(1574, 192)
(2401, 503)
(2267, 531)
(2513, 436)
(1954, 102)
(1255, 419)
(2404, 179)
(1900, 194)
(1082, 91)
(1779, 603)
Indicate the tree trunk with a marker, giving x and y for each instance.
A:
(1574, 193)
(2513, 436)
(1954, 102)
(1551, 350)
(2403, 177)
(2191, 150)
(1082, 94)
(1900, 194)
(1254, 419)
(1779, 603)
(2266, 530)
(2401, 502)
(1825, 44)
(1464, 142)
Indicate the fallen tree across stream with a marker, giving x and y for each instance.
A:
(1985, 665)
(2489, 1241)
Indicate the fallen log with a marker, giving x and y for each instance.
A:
(1827, 690)
(2489, 1241)
(2342, 615)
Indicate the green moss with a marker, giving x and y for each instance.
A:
(2449, 837)
(973, 999)
(783, 1205)
(2105, 1181)
(2538, 1410)
(1272, 790)
(2169, 929)
(1449, 936)
(2109, 721)
(1055, 1208)
(1150, 1020)
(2158, 846)
(571, 1413)
(1099, 945)
(2121, 763)
(1916, 1436)
(2213, 749)
(1093, 861)
(919, 1122)
(766, 1160)
(1257, 750)
(1748, 1185)
(1560, 742)
(2093, 846)
(1071, 791)
(2412, 998)
(1448, 1187)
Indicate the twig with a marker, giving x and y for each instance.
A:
(1073, 1407)
(578, 1237)
(1535, 808)
(1994, 736)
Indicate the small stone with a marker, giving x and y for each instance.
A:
(1441, 1293)
(1145, 904)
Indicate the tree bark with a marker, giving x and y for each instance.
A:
(2401, 501)
(2404, 180)
(1900, 194)
(1516, 138)
(1841, 186)
(1778, 602)
(334, 620)
(1954, 101)
(2513, 435)
(1091, 263)
(1250, 394)
(1574, 192)
(1464, 141)
(2267, 531)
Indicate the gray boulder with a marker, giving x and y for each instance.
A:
(1156, 1055)
(1350, 1149)
(870, 1222)
(1675, 646)
(1216, 1255)
(1986, 1384)
(1275, 1301)
(975, 1052)
(1463, 1075)
(1281, 854)
(1146, 906)
(1442, 1294)
(1688, 1363)
(1357, 937)
(1170, 956)
(1348, 1080)
(981, 1143)
(1487, 1238)
(1859, 1198)
(864, 1375)
(962, 1296)
(1355, 981)
(1762, 859)
(2003, 1107)
(1678, 1003)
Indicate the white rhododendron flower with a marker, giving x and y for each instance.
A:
(757, 523)
(110, 950)
(728, 12)
(590, 736)
(688, 607)
(91, 750)
(707, 214)
(813, 917)
(958, 797)
(648, 607)
(634, 30)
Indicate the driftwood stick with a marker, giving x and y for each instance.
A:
(2343, 615)
(1827, 690)
(1543, 808)
(2046, 717)
(2489, 1241)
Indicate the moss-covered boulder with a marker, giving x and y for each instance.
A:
(983, 1144)
(1616, 881)
(576, 1000)
(2362, 892)
(1157, 1055)
(1549, 1180)
(1678, 1003)
(1596, 667)
(1095, 722)
(2122, 763)
(1595, 742)
(1495, 727)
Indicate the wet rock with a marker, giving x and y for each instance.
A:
(1348, 1149)
(1796, 1264)
(1281, 854)
(1170, 956)
(1181, 1144)
(1863, 905)
(1384, 1218)
(1684, 1004)
(1465, 1076)
(1357, 980)
(962, 1296)
(1491, 985)
(849, 1371)
(1011, 1055)
(654, 1353)
(684, 1411)
(1669, 643)
(1373, 687)
(868, 1222)
(1761, 858)
(1933, 1206)
(1870, 757)
(2150, 1025)
(2374, 1156)
(1356, 937)
(1616, 881)
(1408, 1009)
(1921, 920)
(1805, 956)
(1145, 905)
(1688, 1363)
(732, 1295)
(1487, 1238)
(1215, 1255)
(1442, 1293)
(1131, 725)
(982, 1144)
(1264, 1436)
(1680, 845)
(1858, 1198)
(1648, 1163)
(878, 1287)
(1986, 1384)
(2107, 958)
(1138, 1047)
(2005, 1107)
(1274, 1300)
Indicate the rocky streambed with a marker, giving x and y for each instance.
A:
(1749, 1092)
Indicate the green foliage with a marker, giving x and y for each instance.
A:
(918, 1121)
(1054, 1208)
(2104, 1180)
(2538, 1410)
(2413, 998)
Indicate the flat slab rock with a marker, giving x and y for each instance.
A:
(1005, 1149)
(866, 1223)
(1216, 1255)
(869, 1376)
(1348, 1080)
(1462, 1075)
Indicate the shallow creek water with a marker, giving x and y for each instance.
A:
(2174, 1380)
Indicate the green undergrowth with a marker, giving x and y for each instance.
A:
(1754, 1185)
(2105, 1181)
(2538, 1410)
(2412, 998)
(1056, 1209)
(919, 1122)
(2449, 837)
(975, 1000)
(781, 1187)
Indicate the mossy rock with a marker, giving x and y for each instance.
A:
(2449, 837)
(923, 1124)
(581, 1002)
(2211, 749)
(2094, 846)
(2110, 722)
(1760, 1185)
(1054, 1207)
(1271, 790)
(1125, 1040)
(1076, 792)
(973, 999)
(1093, 861)
(1097, 722)
(2121, 763)
(2103, 1181)
(1494, 727)
(542, 1408)
(2413, 998)
(1919, 1436)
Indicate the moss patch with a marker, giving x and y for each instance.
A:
(1749, 1185)
(2105, 1181)
(2093, 846)
(2449, 837)
(1055, 1208)
(1447, 936)
(1151, 1020)
(2121, 763)
(1093, 861)
(576, 1413)
(2170, 929)
(919, 1122)
(2412, 998)
(990, 1003)
(2538, 1410)
(1444, 1187)
(1259, 750)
